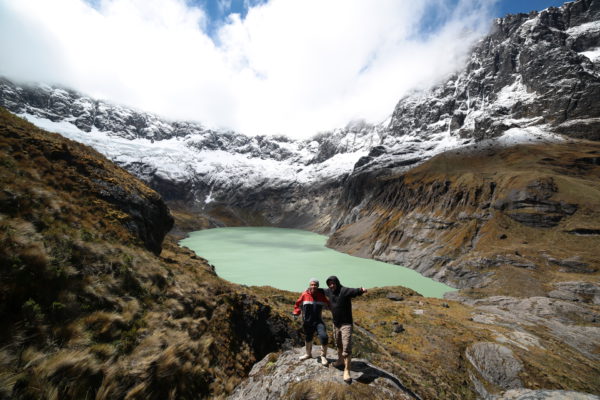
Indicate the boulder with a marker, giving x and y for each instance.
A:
(496, 364)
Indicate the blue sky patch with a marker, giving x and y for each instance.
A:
(519, 6)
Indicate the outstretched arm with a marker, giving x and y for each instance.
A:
(357, 292)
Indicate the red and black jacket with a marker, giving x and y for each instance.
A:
(311, 306)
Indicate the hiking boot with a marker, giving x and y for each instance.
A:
(308, 352)
(324, 355)
(347, 377)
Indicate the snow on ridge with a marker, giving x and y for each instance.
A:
(588, 27)
(221, 171)
(512, 137)
(530, 134)
(175, 160)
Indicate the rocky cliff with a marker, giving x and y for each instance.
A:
(537, 68)
(536, 73)
(482, 217)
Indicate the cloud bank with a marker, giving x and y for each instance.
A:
(290, 67)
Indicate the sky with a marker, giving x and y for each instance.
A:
(291, 67)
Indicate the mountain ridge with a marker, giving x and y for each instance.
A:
(533, 76)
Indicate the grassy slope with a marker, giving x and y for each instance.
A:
(87, 310)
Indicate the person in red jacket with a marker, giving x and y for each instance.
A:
(310, 304)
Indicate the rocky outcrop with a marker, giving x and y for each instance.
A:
(559, 317)
(532, 206)
(283, 375)
(496, 364)
(586, 292)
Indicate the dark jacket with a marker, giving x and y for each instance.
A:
(341, 302)
(311, 306)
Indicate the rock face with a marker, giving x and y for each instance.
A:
(496, 363)
(558, 316)
(284, 375)
(586, 292)
(474, 218)
(533, 68)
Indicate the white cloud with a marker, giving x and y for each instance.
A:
(291, 66)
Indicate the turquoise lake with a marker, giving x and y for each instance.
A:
(288, 258)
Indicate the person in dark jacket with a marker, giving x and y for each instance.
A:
(311, 303)
(340, 298)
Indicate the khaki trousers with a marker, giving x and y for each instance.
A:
(343, 338)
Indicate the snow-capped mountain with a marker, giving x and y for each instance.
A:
(536, 75)
(185, 151)
(533, 75)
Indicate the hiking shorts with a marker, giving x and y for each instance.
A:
(343, 338)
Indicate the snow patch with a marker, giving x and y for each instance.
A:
(531, 134)
(209, 197)
(593, 55)
(583, 29)
(517, 92)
